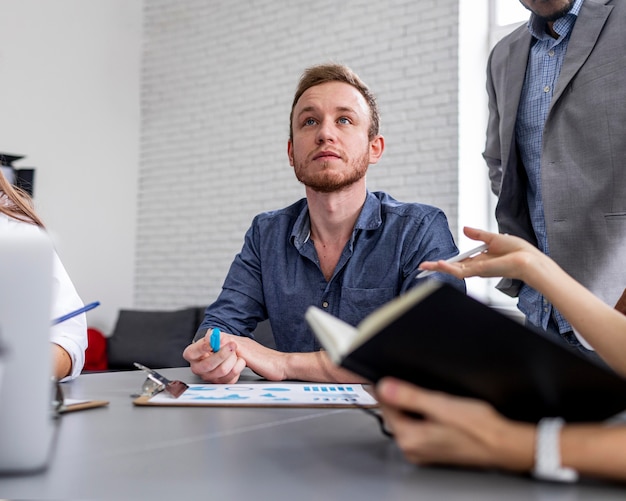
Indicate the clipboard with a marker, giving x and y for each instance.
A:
(267, 394)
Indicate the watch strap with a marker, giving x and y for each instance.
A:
(548, 453)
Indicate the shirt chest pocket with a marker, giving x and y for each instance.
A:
(356, 303)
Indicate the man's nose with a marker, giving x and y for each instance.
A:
(326, 131)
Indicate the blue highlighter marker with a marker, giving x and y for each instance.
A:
(215, 339)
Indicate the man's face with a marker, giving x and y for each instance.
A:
(330, 148)
(549, 10)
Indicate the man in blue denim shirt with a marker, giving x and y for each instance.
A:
(341, 248)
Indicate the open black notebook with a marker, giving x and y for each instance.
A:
(437, 337)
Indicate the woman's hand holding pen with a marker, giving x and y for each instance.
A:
(507, 256)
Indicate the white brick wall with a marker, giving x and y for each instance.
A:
(217, 82)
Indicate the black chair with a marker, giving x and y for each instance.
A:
(155, 338)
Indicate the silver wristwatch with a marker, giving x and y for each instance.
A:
(548, 453)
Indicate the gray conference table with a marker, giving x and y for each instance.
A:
(127, 452)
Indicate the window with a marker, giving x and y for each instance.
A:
(504, 17)
(494, 19)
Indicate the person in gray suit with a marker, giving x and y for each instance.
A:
(556, 147)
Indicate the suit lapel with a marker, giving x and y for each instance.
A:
(515, 74)
(584, 36)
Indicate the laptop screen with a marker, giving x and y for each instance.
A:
(25, 386)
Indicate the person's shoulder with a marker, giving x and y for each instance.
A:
(618, 9)
(390, 205)
(17, 226)
(290, 212)
(503, 44)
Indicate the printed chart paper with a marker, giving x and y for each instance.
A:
(270, 394)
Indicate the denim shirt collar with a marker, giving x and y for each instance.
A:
(369, 219)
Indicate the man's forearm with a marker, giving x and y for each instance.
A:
(317, 366)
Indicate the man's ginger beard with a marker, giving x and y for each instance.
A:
(326, 181)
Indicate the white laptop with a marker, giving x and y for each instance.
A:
(26, 422)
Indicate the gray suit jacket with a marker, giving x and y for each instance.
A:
(583, 161)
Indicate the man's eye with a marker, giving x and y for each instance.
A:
(310, 121)
(344, 120)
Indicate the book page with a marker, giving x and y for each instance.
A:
(340, 338)
(394, 309)
(337, 337)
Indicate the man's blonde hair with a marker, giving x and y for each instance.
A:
(333, 72)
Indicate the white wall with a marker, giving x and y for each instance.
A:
(473, 176)
(218, 79)
(208, 149)
(69, 101)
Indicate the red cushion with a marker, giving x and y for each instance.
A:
(96, 353)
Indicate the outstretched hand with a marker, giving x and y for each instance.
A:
(507, 256)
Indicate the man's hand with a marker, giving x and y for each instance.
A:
(238, 352)
(267, 363)
(222, 367)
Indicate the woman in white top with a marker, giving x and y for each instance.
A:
(469, 432)
(69, 338)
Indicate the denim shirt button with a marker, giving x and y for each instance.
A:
(325, 304)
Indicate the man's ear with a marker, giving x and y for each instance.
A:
(377, 146)
(290, 152)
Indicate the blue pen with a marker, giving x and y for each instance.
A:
(215, 339)
(72, 314)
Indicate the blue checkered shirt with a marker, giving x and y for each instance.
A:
(542, 72)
